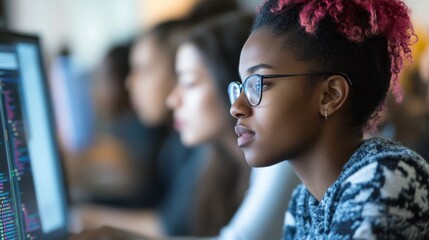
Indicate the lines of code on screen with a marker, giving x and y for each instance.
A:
(19, 212)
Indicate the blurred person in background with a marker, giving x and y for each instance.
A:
(424, 71)
(408, 123)
(206, 62)
(109, 155)
(151, 79)
(119, 164)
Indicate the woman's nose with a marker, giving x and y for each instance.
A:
(173, 98)
(240, 108)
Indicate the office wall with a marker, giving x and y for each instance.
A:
(420, 11)
(86, 26)
(156, 11)
(89, 27)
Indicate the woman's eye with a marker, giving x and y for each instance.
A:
(260, 87)
(265, 86)
(188, 84)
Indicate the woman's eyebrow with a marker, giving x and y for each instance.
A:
(255, 68)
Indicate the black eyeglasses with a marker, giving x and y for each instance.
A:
(253, 85)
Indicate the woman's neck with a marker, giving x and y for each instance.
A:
(321, 167)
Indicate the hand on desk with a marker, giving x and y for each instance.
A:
(107, 233)
(139, 222)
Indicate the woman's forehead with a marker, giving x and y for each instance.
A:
(187, 56)
(265, 49)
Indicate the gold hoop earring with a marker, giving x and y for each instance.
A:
(326, 114)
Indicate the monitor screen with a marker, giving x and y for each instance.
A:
(32, 193)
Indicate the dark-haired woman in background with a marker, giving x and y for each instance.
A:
(206, 62)
(170, 178)
(424, 71)
(122, 145)
(313, 75)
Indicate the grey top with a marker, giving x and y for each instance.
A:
(382, 193)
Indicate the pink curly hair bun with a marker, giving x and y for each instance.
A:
(388, 18)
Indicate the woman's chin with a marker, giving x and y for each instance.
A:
(259, 161)
(189, 141)
(255, 161)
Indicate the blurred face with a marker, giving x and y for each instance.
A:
(286, 122)
(199, 115)
(105, 93)
(424, 71)
(150, 81)
(424, 65)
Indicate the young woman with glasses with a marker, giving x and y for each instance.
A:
(314, 75)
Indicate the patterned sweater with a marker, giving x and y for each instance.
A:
(381, 193)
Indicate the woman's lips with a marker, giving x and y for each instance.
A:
(178, 125)
(245, 135)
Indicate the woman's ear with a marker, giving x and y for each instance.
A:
(335, 91)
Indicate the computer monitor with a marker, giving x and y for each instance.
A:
(33, 197)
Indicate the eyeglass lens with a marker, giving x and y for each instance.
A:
(252, 89)
(234, 90)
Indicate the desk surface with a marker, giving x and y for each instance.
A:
(142, 222)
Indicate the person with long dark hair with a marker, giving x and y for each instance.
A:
(206, 62)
